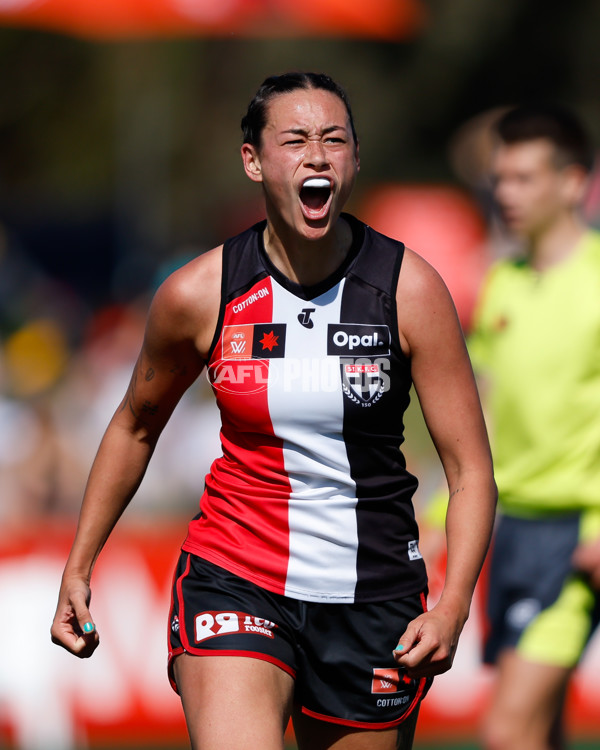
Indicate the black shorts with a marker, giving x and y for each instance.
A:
(340, 655)
(537, 603)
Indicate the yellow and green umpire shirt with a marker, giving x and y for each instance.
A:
(536, 346)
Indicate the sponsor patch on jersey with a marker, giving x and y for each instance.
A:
(268, 341)
(250, 299)
(254, 341)
(357, 340)
(305, 319)
(214, 624)
(237, 342)
(363, 382)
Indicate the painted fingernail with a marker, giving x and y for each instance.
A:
(399, 647)
(89, 627)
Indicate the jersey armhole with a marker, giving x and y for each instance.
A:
(219, 325)
(394, 296)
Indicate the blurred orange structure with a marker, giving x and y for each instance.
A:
(382, 19)
(441, 223)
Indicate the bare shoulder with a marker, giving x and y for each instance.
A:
(418, 277)
(424, 303)
(187, 302)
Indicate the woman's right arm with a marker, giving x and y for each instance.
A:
(179, 329)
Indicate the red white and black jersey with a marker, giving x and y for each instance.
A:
(311, 497)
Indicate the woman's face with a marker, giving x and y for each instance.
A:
(307, 161)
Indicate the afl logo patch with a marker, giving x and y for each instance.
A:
(357, 340)
(239, 377)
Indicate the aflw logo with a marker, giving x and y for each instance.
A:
(385, 680)
(238, 347)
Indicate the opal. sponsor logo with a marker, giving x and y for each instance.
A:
(357, 340)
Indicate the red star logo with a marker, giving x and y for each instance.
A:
(269, 340)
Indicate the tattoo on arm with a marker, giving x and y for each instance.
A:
(456, 491)
(147, 408)
(150, 408)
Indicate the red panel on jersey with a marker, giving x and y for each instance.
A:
(245, 504)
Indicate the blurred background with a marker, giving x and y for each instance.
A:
(119, 161)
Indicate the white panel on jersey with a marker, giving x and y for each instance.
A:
(306, 405)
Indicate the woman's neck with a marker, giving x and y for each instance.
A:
(307, 262)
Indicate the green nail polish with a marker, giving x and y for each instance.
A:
(399, 647)
(88, 627)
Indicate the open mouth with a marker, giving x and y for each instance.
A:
(315, 194)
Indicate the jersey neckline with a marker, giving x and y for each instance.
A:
(312, 291)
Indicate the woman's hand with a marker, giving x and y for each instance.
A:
(73, 627)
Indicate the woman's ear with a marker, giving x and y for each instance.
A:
(251, 161)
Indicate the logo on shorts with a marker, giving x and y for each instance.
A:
(394, 685)
(386, 680)
(522, 612)
(175, 624)
(212, 624)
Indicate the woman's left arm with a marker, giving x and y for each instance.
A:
(443, 378)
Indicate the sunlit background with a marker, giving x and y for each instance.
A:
(119, 161)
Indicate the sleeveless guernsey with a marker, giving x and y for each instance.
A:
(536, 338)
(311, 497)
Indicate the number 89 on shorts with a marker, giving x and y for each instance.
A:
(213, 624)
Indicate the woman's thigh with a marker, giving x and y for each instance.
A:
(312, 734)
(232, 702)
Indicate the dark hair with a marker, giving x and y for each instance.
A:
(255, 119)
(554, 123)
